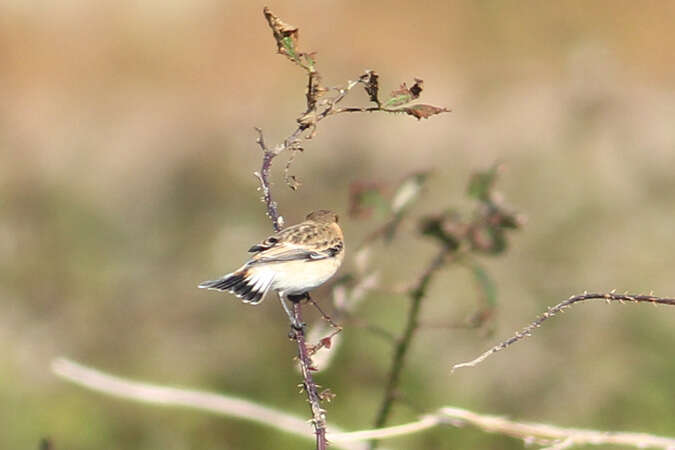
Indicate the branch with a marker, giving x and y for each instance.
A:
(417, 294)
(552, 311)
(530, 433)
(551, 435)
(169, 396)
(318, 413)
(541, 434)
(286, 37)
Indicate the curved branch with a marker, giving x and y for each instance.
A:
(169, 396)
(318, 413)
(542, 434)
(417, 294)
(552, 311)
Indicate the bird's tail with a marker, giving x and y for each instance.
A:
(248, 284)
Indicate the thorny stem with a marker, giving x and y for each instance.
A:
(417, 294)
(552, 311)
(318, 414)
(264, 175)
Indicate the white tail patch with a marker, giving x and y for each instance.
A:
(260, 280)
(250, 285)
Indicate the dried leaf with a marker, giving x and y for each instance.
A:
(416, 89)
(314, 89)
(404, 95)
(423, 111)
(370, 80)
(286, 35)
(326, 342)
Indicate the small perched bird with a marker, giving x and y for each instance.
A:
(292, 262)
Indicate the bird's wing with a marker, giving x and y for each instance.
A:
(281, 237)
(304, 241)
(285, 251)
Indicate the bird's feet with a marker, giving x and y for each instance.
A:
(298, 326)
(296, 298)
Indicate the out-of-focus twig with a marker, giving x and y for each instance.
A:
(309, 386)
(170, 396)
(417, 294)
(552, 311)
(424, 423)
(536, 433)
(550, 435)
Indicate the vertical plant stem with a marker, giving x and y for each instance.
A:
(318, 413)
(416, 294)
(313, 397)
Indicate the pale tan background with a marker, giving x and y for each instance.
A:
(127, 150)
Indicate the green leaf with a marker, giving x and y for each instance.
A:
(374, 199)
(486, 284)
(482, 183)
(397, 100)
(404, 95)
(288, 44)
(433, 226)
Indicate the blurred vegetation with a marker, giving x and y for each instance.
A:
(126, 166)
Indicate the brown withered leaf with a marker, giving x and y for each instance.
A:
(286, 35)
(416, 89)
(370, 80)
(423, 111)
(405, 94)
(314, 90)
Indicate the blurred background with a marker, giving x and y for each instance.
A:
(127, 151)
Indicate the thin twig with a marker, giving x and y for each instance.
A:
(552, 311)
(530, 433)
(417, 294)
(263, 175)
(424, 423)
(326, 341)
(548, 435)
(318, 413)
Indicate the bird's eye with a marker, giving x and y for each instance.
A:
(273, 240)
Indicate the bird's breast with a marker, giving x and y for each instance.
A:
(295, 277)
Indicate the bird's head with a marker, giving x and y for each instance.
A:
(323, 216)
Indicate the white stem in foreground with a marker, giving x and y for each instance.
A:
(531, 433)
(550, 435)
(162, 395)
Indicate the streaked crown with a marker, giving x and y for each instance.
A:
(323, 216)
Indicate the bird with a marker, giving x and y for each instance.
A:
(291, 262)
